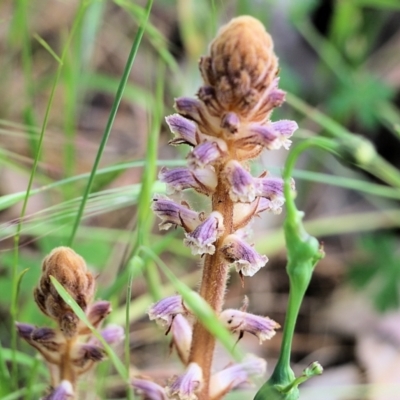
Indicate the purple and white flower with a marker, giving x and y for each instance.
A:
(173, 214)
(165, 310)
(241, 322)
(223, 381)
(202, 238)
(245, 258)
(187, 385)
(150, 390)
(202, 180)
(242, 187)
(185, 130)
(206, 153)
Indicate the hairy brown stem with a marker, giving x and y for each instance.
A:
(66, 370)
(212, 289)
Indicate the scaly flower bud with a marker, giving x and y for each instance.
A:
(70, 270)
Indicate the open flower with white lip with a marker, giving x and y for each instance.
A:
(186, 386)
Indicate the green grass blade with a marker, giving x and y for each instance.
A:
(119, 366)
(113, 113)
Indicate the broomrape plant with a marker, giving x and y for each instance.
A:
(226, 127)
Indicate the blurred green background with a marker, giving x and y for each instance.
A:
(61, 65)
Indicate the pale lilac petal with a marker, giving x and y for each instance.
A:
(150, 390)
(229, 378)
(272, 189)
(63, 391)
(164, 311)
(113, 334)
(181, 337)
(273, 135)
(206, 153)
(202, 238)
(242, 186)
(184, 129)
(173, 214)
(178, 179)
(187, 385)
(241, 322)
(245, 258)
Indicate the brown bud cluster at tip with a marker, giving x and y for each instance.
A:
(69, 349)
(240, 68)
(70, 270)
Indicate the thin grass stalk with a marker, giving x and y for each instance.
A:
(111, 118)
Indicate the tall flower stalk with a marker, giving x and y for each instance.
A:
(227, 126)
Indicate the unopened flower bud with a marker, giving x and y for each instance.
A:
(70, 270)
(241, 64)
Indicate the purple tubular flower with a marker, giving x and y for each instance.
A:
(202, 180)
(206, 153)
(185, 130)
(241, 182)
(186, 385)
(240, 321)
(113, 334)
(165, 310)
(24, 330)
(173, 214)
(223, 381)
(273, 135)
(63, 391)
(150, 390)
(182, 337)
(246, 260)
(202, 238)
(272, 189)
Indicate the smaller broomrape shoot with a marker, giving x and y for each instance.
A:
(69, 350)
(226, 126)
